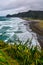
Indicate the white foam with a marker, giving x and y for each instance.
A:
(16, 24)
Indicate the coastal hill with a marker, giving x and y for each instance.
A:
(30, 14)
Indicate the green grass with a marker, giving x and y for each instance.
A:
(6, 60)
(3, 59)
(20, 54)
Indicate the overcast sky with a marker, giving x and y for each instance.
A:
(15, 6)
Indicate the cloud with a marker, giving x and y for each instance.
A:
(20, 5)
(14, 4)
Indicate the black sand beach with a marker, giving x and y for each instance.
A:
(32, 26)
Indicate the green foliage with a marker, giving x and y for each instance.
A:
(29, 14)
(22, 53)
(2, 44)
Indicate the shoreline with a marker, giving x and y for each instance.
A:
(33, 27)
(38, 32)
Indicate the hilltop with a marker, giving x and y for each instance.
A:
(29, 14)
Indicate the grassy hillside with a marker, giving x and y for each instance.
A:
(29, 14)
(6, 60)
(20, 54)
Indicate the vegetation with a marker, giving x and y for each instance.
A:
(29, 14)
(20, 54)
(40, 24)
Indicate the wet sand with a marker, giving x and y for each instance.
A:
(38, 31)
(33, 27)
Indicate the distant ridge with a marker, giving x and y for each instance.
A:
(30, 14)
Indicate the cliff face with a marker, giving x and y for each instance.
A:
(31, 14)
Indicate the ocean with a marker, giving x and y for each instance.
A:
(12, 29)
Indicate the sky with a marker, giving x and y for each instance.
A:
(16, 6)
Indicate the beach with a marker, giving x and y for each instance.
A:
(38, 31)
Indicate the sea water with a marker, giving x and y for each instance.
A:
(12, 29)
